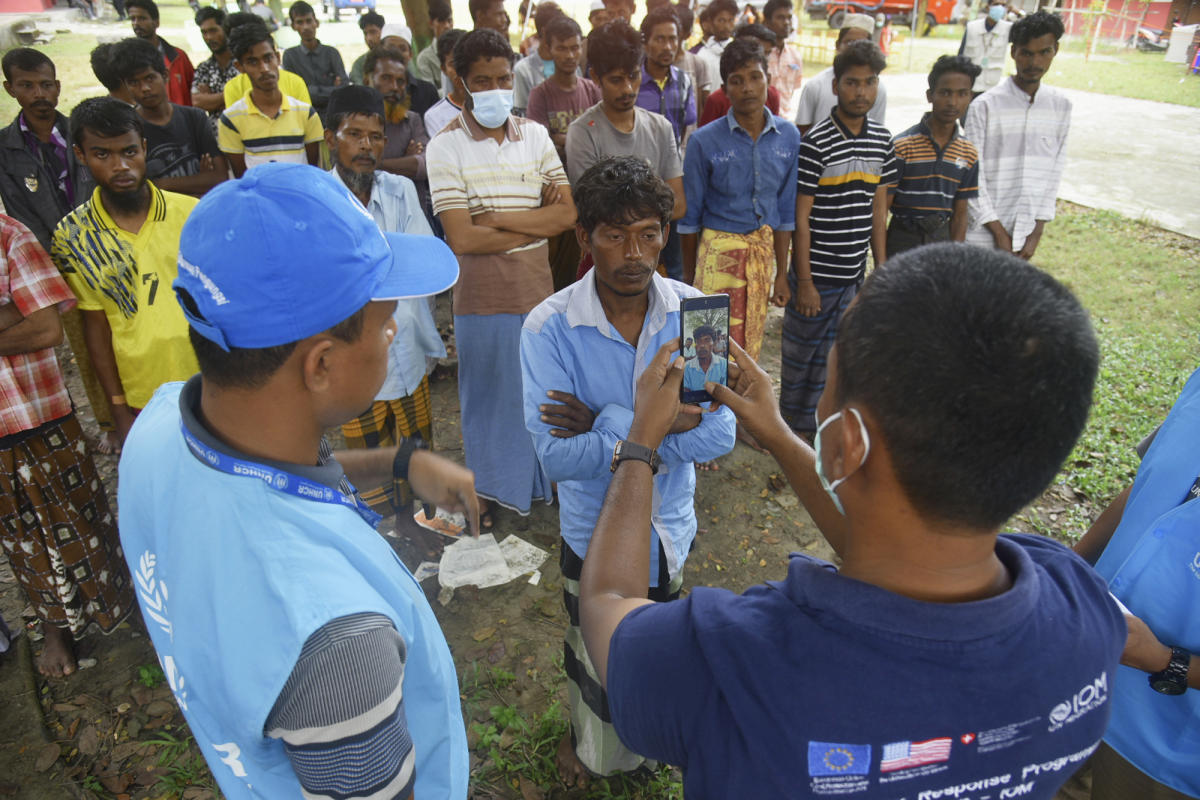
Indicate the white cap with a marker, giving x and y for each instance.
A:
(396, 29)
(597, 5)
(862, 21)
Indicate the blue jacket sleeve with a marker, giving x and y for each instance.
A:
(581, 457)
(712, 438)
(695, 177)
(787, 198)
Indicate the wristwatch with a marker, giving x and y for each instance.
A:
(1173, 679)
(404, 454)
(638, 452)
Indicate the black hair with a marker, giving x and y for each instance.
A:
(775, 5)
(476, 7)
(718, 6)
(561, 28)
(210, 12)
(106, 117)
(102, 68)
(479, 44)
(133, 55)
(614, 46)
(238, 18)
(618, 190)
(740, 52)
(440, 10)
(149, 6)
(377, 54)
(659, 16)
(1034, 26)
(544, 14)
(704, 330)
(756, 31)
(653, 4)
(845, 30)
(863, 53)
(946, 64)
(981, 395)
(706, 14)
(244, 37)
(686, 18)
(251, 368)
(371, 18)
(447, 41)
(25, 59)
(301, 9)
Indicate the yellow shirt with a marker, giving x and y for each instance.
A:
(128, 276)
(290, 84)
(259, 139)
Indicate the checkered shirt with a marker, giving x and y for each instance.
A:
(32, 391)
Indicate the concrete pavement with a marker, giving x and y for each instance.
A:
(1138, 158)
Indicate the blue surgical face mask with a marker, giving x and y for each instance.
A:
(831, 488)
(548, 68)
(997, 12)
(491, 108)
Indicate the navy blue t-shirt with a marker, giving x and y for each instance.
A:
(825, 686)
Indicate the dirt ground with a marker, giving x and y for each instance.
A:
(113, 730)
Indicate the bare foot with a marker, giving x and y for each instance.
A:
(708, 466)
(109, 444)
(57, 659)
(487, 519)
(746, 437)
(570, 769)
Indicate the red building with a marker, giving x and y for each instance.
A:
(1122, 17)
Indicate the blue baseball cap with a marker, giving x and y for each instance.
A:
(286, 251)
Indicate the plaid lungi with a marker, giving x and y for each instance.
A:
(592, 733)
(806, 345)
(58, 531)
(743, 267)
(384, 424)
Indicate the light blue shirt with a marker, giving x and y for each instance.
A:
(568, 345)
(694, 377)
(737, 184)
(396, 209)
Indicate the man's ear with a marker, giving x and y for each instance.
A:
(852, 446)
(329, 137)
(584, 239)
(317, 364)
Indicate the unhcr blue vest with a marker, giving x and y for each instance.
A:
(1153, 565)
(233, 576)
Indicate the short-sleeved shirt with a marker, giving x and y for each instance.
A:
(174, 150)
(321, 68)
(261, 139)
(210, 74)
(128, 276)
(556, 107)
(470, 170)
(291, 84)
(592, 137)
(930, 178)
(439, 115)
(32, 391)
(842, 171)
(817, 100)
(823, 686)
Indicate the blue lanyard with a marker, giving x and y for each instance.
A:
(277, 479)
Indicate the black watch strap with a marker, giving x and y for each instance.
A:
(1173, 679)
(625, 451)
(404, 454)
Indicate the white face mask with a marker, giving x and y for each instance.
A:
(491, 108)
(831, 488)
(997, 12)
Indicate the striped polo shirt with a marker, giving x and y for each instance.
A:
(931, 179)
(246, 131)
(470, 171)
(841, 172)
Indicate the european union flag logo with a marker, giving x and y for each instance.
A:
(834, 758)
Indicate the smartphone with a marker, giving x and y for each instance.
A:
(704, 331)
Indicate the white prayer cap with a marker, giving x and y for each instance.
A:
(862, 21)
(396, 29)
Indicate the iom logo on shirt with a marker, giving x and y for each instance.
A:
(1195, 566)
(1090, 697)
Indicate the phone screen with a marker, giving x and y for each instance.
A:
(705, 335)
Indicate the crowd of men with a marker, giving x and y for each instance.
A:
(245, 254)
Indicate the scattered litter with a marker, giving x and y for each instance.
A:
(484, 563)
(535, 578)
(86, 663)
(443, 522)
(425, 569)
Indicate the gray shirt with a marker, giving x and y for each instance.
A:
(321, 68)
(592, 137)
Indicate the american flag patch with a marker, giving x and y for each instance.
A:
(903, 755)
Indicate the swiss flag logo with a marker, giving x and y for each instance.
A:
(967, 738)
